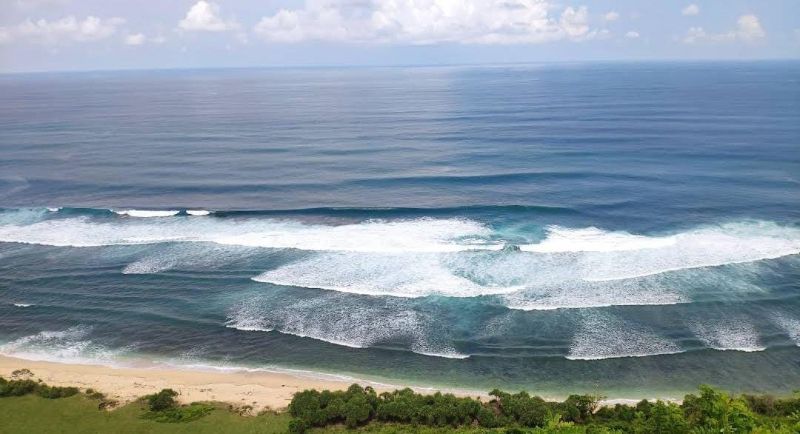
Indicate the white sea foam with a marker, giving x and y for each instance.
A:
(603, 256)
(790, 325)
(592, 239)
(419, 235)
(70, 345)
(197, 212)
(150, 265)
(201, 257)
(727, 332)
(379, 274)
(604, 336)
(357, 326)
(147, 213)
(451, 257)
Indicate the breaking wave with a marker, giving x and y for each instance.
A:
(547, 268)
(69, 345)
(728, 332)
(605, 336)
(326, 319)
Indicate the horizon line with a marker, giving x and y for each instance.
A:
(404, 65)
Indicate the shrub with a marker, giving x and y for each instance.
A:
(17, 387)
(21, 374)
(186, 413)
(93, 394)
(711, 411)
(163, 400)
(356, 411)
(716, 411)
(54, 392)
(297, 426)
(661, 418)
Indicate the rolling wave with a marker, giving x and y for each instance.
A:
(362, 326)
(605, 337)
(729, 332)
(418, 235)
(71, 345)
(147, 213)
(791, 326)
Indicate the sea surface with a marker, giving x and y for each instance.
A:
(625, 229)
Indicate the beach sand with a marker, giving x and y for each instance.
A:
(261, 390)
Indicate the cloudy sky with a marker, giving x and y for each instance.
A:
(44, 35)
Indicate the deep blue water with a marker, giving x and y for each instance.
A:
(632, 229)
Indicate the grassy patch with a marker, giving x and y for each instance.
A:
(79, 414)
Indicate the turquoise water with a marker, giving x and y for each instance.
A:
(629, 229)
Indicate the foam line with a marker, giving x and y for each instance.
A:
(728, 332)
(602, 336)
(71, 345)
(146, 213)
(396, 275)
(331, 319)
(418, 235)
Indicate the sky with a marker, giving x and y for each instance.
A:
(66, 35)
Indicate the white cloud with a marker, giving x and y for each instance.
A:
(65, 29)
(698, 34)
(575, 21)
(611, 16)
(692, 9)
(204, 16)
(425, 22)
(135, 39)
(748, 29)
(632, 34)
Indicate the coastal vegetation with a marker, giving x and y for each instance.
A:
(28, 406)
(710, 410)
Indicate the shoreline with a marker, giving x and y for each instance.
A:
(260, 389)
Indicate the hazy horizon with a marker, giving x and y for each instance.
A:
(66, 35)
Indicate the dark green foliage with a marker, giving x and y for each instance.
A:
(524, 409)
(579, 408)
(297, 426)
(661, 418)
(163, 407)
(353, 407)
(17, 387)
(54, 392)
(93, 394)
(711, 411)
(185, 413)
(768, 405)
(27, 386)
(716, 411)
(163, 400)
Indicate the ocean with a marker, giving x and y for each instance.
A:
(628, 229)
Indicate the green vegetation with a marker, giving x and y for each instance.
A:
(29, 406)
(164, 408)
(407, 411)
(25, 386)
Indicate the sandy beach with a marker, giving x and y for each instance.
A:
(261, 390)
